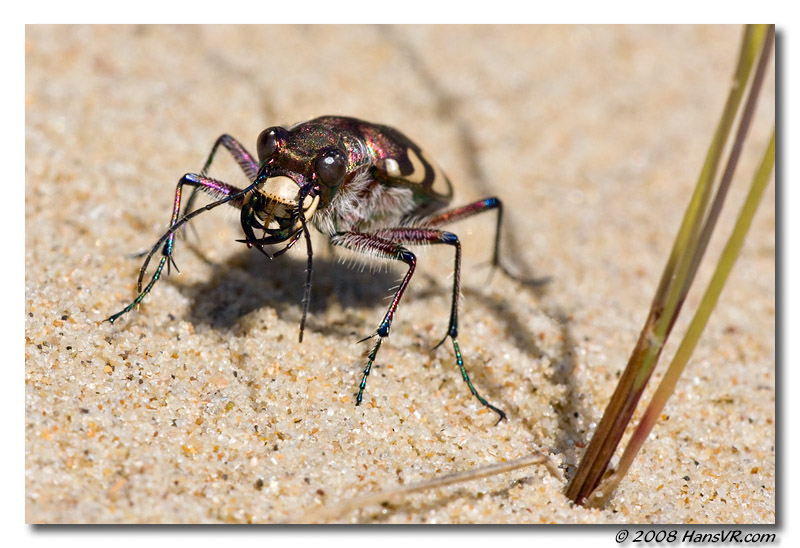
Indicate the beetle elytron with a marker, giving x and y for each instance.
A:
(367, 187)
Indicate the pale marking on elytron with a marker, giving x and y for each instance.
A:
(392, 168)
(419, 173)
(439, 184)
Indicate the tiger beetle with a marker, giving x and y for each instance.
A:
(367, 187)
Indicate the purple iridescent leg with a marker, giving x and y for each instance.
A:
(240, 155)
(475, 208)
(374, 245)
(469, 210)
(224, 192)
(388, 243)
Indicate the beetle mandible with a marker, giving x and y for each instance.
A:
(367, 187)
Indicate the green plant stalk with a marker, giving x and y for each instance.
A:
(735, 151)
(693, 235)
(751, 41)
(669, 296)
(667, 386)
(712, 216)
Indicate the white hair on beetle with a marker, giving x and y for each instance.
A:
(364, 204)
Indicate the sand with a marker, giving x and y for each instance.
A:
(202, 407)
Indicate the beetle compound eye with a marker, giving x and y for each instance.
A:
(331, 167)
(269, 141)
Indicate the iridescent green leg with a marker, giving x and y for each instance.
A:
(374, 245)
(213, 187)
(141, 295)
(230, 194)
(370, 360)
(388, 243)
(464, 374)
(427, 236)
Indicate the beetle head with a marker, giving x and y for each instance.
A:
(304, 165)
(307, 153)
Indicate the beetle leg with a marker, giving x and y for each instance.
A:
(469, 210)
(245, 160)
(428, 236)
(475, 208)
(387, 243)
(226, 194)
(379, 247)
(199, 182)
(249, 221)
